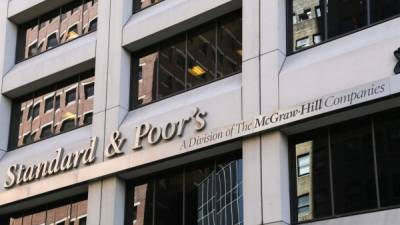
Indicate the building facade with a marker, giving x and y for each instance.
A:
(211, 112)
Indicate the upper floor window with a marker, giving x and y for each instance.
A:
(316, 21)
(56, 27)
(209, 192)
(191, 59)
(71, 212)
(50, 111)
(353, 168)
(142, 4)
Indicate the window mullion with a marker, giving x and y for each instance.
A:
(375, 163)
(331, 173)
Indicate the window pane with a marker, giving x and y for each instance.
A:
(89, 16)
(71, 21)
(141, 209)
(28, 40)
(23, 131)
(230, 45)
(382, 9)
(308, 22)
(346, 16)
(172, 67)
(316, 184)
(197, 179)
(66, 117)
(86, 92)
(353, 167)
(39, 218)
(145, 74)
(49, 26)
(141, 4)
(201, 55)
(169, 205)
(387, 134)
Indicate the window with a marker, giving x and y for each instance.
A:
(48, 104)
(303, 206)
(347, 171)
(205, 193)
(54, 28)
(88, 118)
(89, 90)
(68, 125)
(48, 113)
(82, 221)
(93, 25)
(52, 41)
(142, 4)
(303, 165)
(335, 18)
(70, 96)
(57, 102)
(60, 213)
(187, 60)
(36, 111)
(46, 132)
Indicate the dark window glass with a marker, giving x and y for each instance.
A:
(89, 90)
(317, 21)
(187, 60)
(230, 45)
(201, 55)
(172, 67)
(36, 110)
(353, 167)
(57, 102)
(212, 193)
(383, 9)
(93, 25)
(52, 41)
(82, 221)
(387, 134)
(68, 125)
(169, 199)
(70, 96)
(48, 104)
(88, 118)
(346, 15)
(141, 4)
(46, 131)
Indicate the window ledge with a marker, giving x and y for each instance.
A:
(154, 24)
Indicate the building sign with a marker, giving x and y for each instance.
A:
(153, 135)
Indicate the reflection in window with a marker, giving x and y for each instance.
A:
(89, 90)
(48, 104)
(56, 27)
(142, 4)
(188, 60)
(45, 112)
(364, 173)
(303, 164)
(66, 214)
(303, 206)
(335, 18)
(212, 194)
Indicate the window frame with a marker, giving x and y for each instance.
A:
(14, 127)
(289, 29)
(133, 96)
(19, 47)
